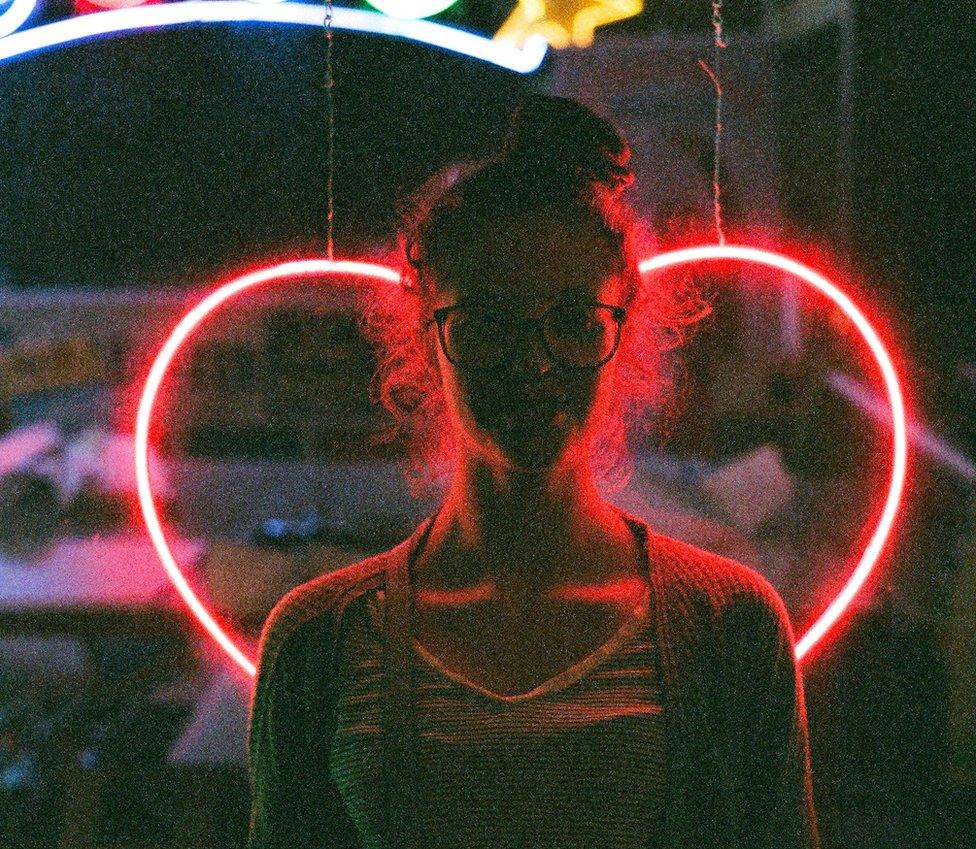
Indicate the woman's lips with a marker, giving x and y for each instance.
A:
(529, 418)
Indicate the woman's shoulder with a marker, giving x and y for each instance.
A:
(712, 580)
(311, 610)
(736, 605)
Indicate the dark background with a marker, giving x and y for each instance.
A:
(170, 157)
(179, 157)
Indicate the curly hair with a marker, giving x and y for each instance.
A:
(558, 159)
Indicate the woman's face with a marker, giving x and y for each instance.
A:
(531, 412)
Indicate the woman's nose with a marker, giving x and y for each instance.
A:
(531, 356)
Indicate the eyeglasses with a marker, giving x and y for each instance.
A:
(577, 335)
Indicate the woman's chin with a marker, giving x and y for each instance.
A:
(534, 446)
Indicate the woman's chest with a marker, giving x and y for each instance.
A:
(508, 656)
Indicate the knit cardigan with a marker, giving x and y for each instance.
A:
(738, 758)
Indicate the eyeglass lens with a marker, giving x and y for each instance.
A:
(578, 335)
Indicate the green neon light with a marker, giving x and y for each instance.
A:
(411, 9)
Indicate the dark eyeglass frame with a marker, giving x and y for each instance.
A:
(440, 315)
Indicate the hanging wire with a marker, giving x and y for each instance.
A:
(331, 111)
(715, 77)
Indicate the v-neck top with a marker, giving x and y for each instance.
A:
(581, 765)
(637, 619)
(576, 762)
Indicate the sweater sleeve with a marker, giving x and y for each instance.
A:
(271, 760)
(775, 792)
(294, 802)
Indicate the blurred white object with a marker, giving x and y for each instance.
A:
(921, 436)
(752, 488)
(108, 458)
(21, 448)
(217, 730)
(100, 571)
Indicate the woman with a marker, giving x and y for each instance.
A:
(578, 680)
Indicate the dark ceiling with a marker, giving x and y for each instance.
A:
(179, 155)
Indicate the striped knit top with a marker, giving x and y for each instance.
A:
(578, 758)
(576, 762)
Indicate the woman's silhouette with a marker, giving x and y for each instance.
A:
(579, 680)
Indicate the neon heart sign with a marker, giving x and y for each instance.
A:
(672, 259)
(187, 325)
(872, 551)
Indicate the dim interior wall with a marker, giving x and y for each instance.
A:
(652, 88)
(225, 375)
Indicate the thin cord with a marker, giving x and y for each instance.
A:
(328, 86)
(714, 76)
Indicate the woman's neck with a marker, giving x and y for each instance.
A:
(524, 536)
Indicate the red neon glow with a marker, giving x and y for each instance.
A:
(190, 322)
(85, 7)
(899, 464)
(321, 267)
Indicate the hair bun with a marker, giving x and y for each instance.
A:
(561, 135)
